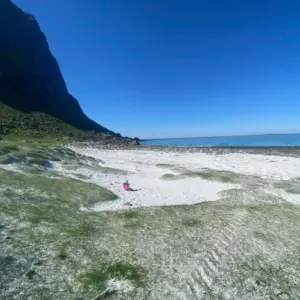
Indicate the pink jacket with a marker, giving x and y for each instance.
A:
(126, 187)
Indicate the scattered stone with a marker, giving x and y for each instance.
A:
(4, 132)
(135, 143)
(48, 165)
(276, 151)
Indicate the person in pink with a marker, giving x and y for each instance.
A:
(127, 187)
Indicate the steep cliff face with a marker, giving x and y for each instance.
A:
(30, 77)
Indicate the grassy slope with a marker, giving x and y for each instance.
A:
(46, 205)
(37, 126)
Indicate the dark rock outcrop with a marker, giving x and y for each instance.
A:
(30, 77)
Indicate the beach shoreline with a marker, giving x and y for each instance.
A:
(169, 176)
(290, 151)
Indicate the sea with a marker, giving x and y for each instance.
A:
(265, 140)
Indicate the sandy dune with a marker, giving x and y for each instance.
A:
(146, 168)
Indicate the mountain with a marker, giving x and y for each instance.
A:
(30, 77)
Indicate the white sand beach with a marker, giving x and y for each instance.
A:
(146, 170)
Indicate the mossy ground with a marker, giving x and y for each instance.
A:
(292, 187)
(164, 166)
(118, 270)
(211, 175)
(40, 213)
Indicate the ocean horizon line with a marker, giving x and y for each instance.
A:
(219, 136)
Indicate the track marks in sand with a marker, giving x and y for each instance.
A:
(201, 281)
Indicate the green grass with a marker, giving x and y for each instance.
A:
(164, 166)
(4, 149)
(192, 222)
(261, 236)
(215, 175)
(249, 195)
(24, 138)
(123, 271)
(43, 128)
(168, 177)
(107, 170)
(118, 270)
(95, 278)
(292, 187)
(33, 153)
(12, 159)
(211, 175)
(130, 214)
(52, 206)
(87, 249)
(20, 122)
(52, 153)
(42, 153)
(69, 159)
(62, 189)
(4, 160)
(30, 274)
(133, 225)
(37, 127)
(81, 229)
(265, 272)
(37, 161)
(8, 148)
(132, 219)
(62, 254)
(173, 168)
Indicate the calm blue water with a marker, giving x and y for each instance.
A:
(268, 140)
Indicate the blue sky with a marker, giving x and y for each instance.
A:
(165, 68)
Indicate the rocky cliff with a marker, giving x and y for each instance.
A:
(30, 77)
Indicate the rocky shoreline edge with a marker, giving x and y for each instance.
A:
(213, 150)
